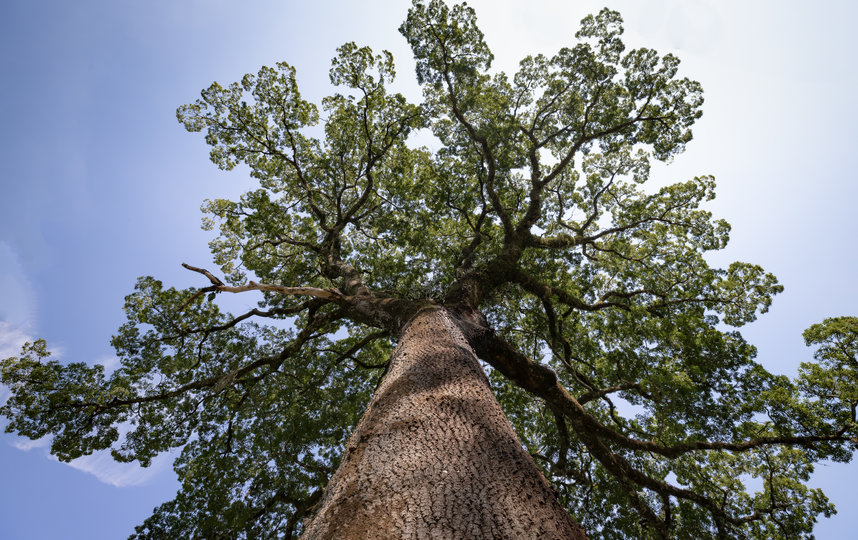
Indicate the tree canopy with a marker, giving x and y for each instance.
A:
(607, 334)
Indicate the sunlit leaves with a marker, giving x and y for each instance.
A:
(446, 41)
(832, 383)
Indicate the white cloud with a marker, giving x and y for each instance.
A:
(12, 337)
(101, 465)
(26, 445)
(110, 363)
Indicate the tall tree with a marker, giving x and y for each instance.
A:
(525, 239)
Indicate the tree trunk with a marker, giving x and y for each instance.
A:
(435, 457)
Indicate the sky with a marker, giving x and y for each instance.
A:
(100, 184)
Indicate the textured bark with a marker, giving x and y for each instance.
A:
(435, 457)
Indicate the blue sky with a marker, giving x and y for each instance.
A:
(100, 184)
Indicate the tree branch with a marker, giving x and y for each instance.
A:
(219, 286)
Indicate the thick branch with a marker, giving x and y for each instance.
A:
(544, 292)
(543, 382)
(219, 286)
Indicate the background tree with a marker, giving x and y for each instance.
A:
(617, 298)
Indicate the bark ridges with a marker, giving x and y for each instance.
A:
(435, 457)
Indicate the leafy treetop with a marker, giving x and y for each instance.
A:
(598, 313)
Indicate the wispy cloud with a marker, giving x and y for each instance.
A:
(102, 466)
(12, 338)
(110, 363)
(26, 445)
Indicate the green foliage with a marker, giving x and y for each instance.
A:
(252, 436)
(535, 211)
(40, 393)
(831, 385)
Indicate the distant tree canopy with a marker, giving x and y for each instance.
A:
(603, 327)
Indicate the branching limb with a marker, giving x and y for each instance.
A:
(351, 353)
(281, 312)
(473, 134)
(219, 286)
(544, 292)
(302, 507)
(597, 394)
(218, 381)
(563, 439)
(543, 382)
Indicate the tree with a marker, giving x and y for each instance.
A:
(524, 237)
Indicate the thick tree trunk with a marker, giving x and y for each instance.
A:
(435, 457)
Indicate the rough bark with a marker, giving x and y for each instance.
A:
(435, 457)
